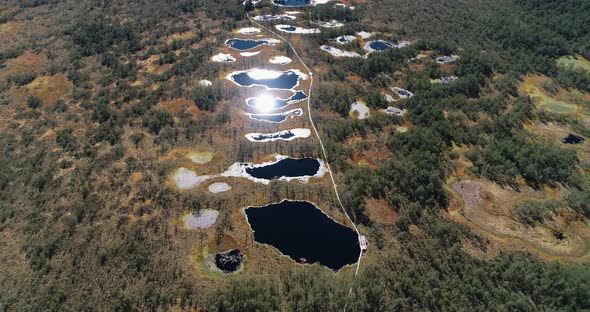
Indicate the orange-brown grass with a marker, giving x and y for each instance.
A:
(381, 212)
(28, 62)
(486, 207)
(48, 88)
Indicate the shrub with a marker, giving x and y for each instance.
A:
(34, 102)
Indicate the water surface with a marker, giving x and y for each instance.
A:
(303, 232)
(265, 103)
(288, 167)
(271, 79)
(572, 139)
(229, 262)
(248, 44)
(291, 3)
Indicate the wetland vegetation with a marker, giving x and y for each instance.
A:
(472, 199)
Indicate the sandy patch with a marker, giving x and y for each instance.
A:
(281, 60)
(200, 157)
(219, 187)
(205, 83)
(202, 219)
(338, 52)
(485, 205)
(296, 29)
(223, 58)
(248, 30)
(247, 54)
(364, 34)
(359, 110)
(330, 24)
(187, 179)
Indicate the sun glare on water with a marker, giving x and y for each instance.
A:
(258, 74)
(264, 103)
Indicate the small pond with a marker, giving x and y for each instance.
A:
(291, 3)
(2, 66)
(247, 44)
(572, 139)
(285, 135)
(345, 39)
(229, 262)
(265, 103)
(377, 45)
(402, 93)
(303, 232)
(288, 167)
(270, 79)
(283, 168)
(278, 117)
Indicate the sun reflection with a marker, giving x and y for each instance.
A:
(264, 103)
(260, 74)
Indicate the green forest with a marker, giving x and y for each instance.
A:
(79, 233)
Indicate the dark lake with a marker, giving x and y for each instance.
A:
(276, 103)
(380, 45)
(288, 28)
(230, 261)
(246, 44)
(291, 3)
(276, 118)
(2, 66)
(288, 167)
(285, 80)
(572, 139)
(304, 233)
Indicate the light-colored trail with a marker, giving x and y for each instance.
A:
(358, 263)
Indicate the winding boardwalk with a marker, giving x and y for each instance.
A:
(358, 263)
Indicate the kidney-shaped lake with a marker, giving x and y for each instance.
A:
(270, 79)
(247, 44)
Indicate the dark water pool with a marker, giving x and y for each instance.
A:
(572, 139)
(230, 261)
(286, 80)
(284, 135)
(276, 118)
(380, 45)
(288, 167)
(2, 66)
(245, 44)
(276, 103)
(288, 28)
(304, 233)
(291, 3)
